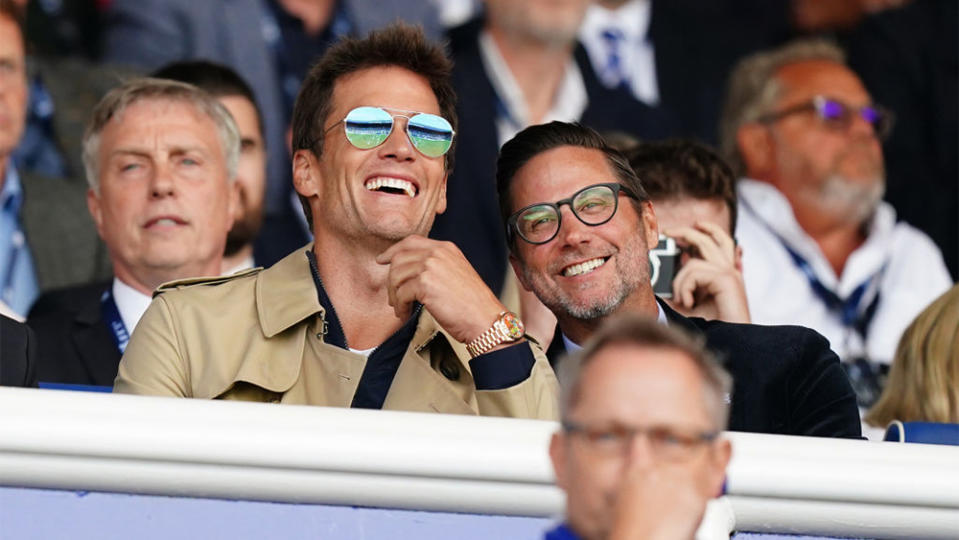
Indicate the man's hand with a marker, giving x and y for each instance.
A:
(708, 285)
(657, 502)
(437, 275)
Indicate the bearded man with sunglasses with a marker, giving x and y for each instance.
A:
(822, 249)
(373, 314)
(580, 226)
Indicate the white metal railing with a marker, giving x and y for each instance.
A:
(283, 453)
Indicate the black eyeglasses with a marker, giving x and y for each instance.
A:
(666, 443)
(838, 115)
(593, 205)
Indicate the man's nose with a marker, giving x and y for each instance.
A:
(639, 451)
(572, 231)
(397, 145)
(162, 182)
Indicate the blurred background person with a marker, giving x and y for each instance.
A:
(923, 383)
(822, 249)
(233, 93)
(46, 238)
(694, 196)
(161, 157)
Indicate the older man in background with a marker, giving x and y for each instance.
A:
(160, 158)
(233, 93)
(822, 249)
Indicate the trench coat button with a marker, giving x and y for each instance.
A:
(450, 370)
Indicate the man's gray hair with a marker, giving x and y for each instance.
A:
(753, 89)
(636, 330)
(149, 89)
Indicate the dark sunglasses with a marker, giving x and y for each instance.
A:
(593, 205)
(369, 127)
(839, 115)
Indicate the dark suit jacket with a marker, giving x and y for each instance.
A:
(18, 353)
(786, 379)
(472, 220)
(63, 240)
(76, 346)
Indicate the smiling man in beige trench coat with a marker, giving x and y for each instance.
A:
(372, 314)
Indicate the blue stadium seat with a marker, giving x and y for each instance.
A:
(923, 432)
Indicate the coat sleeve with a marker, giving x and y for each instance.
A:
(153, 363)
(822, 401)
(536, 395)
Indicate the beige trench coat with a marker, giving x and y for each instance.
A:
(258, 336)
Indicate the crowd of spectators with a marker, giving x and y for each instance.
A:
(308, 201)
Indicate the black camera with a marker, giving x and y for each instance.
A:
(664, 263)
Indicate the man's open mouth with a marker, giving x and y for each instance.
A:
(393, 186)
(584, 267)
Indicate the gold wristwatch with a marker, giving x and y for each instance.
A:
(506, 328)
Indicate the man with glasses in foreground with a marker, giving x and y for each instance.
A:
(822, 249)
(373, 314)
(640, 451)
(580, 227)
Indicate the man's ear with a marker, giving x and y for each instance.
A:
(441, 203)
(650, 224)
(722, 452)
(93, 205)
(738, 261)
(306, 174)
(557, 454)
(756, 146)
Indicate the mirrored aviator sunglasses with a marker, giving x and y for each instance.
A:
(369, 127)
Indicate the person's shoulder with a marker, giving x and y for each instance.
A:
(207, 288)
(66, 301)
(755, 342)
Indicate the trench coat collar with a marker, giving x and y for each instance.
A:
(285, 293)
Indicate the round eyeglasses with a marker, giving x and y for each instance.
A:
(369, 127)
(666, 443)
(593, 205)
(838, 115)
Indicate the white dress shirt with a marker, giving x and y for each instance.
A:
(131, 304)
(899, 263)
(568, 104)
(637, 59)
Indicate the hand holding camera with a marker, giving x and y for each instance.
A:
(698, 272)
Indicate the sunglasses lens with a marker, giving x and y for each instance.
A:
(367, 127)
(430, 134)
(537, 224)
(832, 110)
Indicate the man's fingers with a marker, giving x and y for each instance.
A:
(702, 241)
(721, 237)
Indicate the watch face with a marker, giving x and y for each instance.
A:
(514, 326)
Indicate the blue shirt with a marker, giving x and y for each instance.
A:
(18, 281)
(561, 532)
